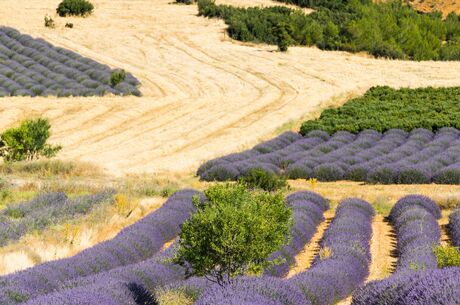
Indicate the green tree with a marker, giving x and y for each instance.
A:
(27, 142)
(283, 32)
(233, 233)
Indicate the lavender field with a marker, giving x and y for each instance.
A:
(33, 67)
(45, 210)
(133, 266)
(394, 157)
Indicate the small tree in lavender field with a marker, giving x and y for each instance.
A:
(233, 233)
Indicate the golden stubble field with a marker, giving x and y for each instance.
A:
(204, 95)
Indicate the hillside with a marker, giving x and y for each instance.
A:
(204, 95)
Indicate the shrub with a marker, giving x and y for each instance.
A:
(69, 25)
(258, 178)
(447, 256)
(28, 141)
(75, 8)
(328, 172)
(117, 77)
(283, 32)
(233, 233)
(49, 22)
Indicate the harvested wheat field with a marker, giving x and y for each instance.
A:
(204, 95)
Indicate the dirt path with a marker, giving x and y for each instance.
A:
(382, 245)
(305, 258)
(204, 95)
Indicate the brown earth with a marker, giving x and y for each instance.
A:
(204, 95)
(443, 6)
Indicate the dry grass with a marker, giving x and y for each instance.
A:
(51, 168)
(381, 196)
(173, 297)
(203, 94)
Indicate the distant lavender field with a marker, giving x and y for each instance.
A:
(45, 210)
(33, 67)
(396, 156)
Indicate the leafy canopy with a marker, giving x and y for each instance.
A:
(27, 142)
(75, 8)
(233, 233)
(384, 108)
(258, 178)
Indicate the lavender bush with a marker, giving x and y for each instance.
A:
(417, 280)
(44, 210)
(347, 239)
(454, 227)
(33, 67)
(414, 219)
(133, 244)
(254, 291)
(119, 286)
(307, 212)
(395, 156)
(430, 287)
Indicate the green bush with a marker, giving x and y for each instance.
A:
(117, 77)
(385, 29)
(27, 142)
(233, 233)
(447, 256)
(258, 178)
(384, 108)
(75, 8)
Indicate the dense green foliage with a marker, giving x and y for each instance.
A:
(383, 108)
(388, 29)
(447, 256)
(258, 178)
(74, 8)
(117, 77)
(233, 233)
(27, 142)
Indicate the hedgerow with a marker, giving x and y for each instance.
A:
(385, 29)
(384, 108)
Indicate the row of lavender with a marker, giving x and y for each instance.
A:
(33, 67)
(44, 210)
(307, 212)
(417, 280)
(330, 278)
(127, 283)
(454, 227)
(395, 156)
(134, 244)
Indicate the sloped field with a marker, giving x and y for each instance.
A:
(203, 95)
(125, 269)
(33, 67)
